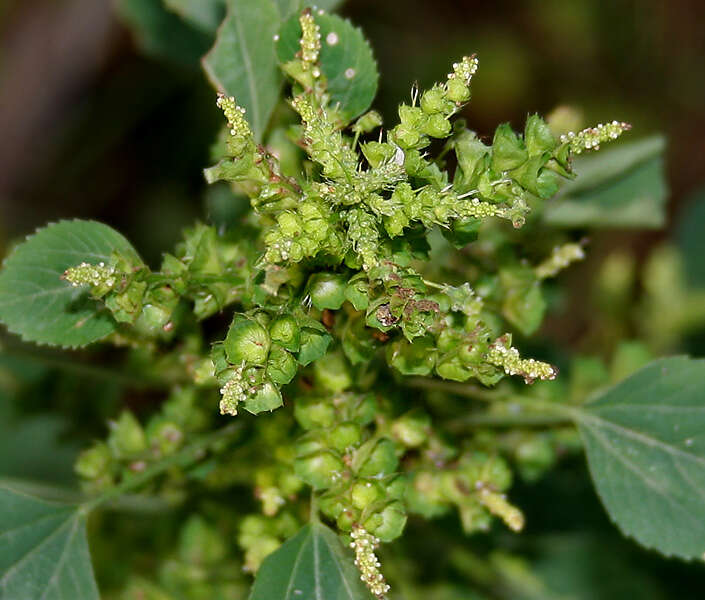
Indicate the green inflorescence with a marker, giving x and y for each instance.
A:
(336, 296)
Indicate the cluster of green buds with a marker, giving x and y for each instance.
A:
(353, 467)
(474, 482)
(130, 448)
(261, 353)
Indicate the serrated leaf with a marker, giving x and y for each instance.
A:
(290, 7)
(43, 550)
(243, 61)
(346, 60)
(645, 443)
(205, 15)
(312, 564)
(37, 304)
(624, 186)
(161, 33)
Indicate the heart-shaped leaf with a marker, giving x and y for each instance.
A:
(645, 443)
(43, 550)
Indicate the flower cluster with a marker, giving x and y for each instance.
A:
(364, 546)
(592, 137)
(95, 275)
(337, 283)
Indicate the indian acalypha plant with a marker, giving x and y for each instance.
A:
(345, 332)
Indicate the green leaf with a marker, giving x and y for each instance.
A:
(312, 564)
(205, 15)
(346, 61)
(645, 443)
(37, 304)
(290, 7)
(508, 151)
(243, 61)
(162, 33)
(43, 550)
(623, 186)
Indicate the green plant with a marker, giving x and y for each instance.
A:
(370, 282)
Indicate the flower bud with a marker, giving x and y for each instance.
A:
(281, 365)
(382, 459)
(377, 153)
(327, 290)
(412, 358)
(331, 504)
(247, 341)
(333, 373)
(93, 462)
(357, 291)
(434, 101)
(396, 488)
(346, 520)
(412, 428)
(367, 122)
(344, 436)
(366, 493)
(366, 410)
(289, 224)
(457, 91)
(314, 344)
(285, 332)
(126, 436)
(164, 436)
(388, 524)
(320, 470)
(405, 137)
(437, 126)
(535, 455)
(312, 413)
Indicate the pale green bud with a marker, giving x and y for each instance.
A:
(94, 462)
(389, 523)
(247, 341)
(320, 470)
(365, 493)
(126, 437)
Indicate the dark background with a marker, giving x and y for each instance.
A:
(90, 127)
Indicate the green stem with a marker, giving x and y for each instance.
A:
(451, 387)
(183, 458)
(313, 514)
(507, 420)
